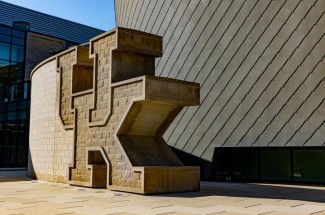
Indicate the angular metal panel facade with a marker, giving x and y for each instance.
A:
(260, 65)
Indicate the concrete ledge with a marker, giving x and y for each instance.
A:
(163, 179)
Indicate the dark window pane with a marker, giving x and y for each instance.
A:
(309, 165)
(16, 72)
(18, 41)
(12, 93)
(18, 33)
(11, 115)
(17, 53)
(22, 105)
(275, 164)
(3, 117)
(22, 114)
(4, 30)
(26, 90)
(4, 72)
(245, 164)
(4, 51)
(4, 94)
(3, 107)
(5, 38)
(12, 106)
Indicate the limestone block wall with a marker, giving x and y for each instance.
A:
(98, 119)
(50, 151)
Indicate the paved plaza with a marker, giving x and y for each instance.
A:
(20, 195)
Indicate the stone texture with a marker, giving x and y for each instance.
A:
(112, 117)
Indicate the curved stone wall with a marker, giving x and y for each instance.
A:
(50, 148)
(260, 65)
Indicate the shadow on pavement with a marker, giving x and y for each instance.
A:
(250, 190)
(12, 176)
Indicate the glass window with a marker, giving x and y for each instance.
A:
(16, 72)
(4, 94)
(4, 51)
(12, 93)
(17, 53)
(5, 38)
(11, 115)
(245, 164)
(3, 107)
(18, 41)
(275, 164)
(309, 165)
(12, 106)
(26, 90)
(18, 33)
(22, 114)
(4, 78)
(4, 30)
(22, 105)
(3, 116)
(4, 72)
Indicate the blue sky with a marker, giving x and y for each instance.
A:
(95, 13)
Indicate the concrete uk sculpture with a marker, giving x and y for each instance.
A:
(114, 112)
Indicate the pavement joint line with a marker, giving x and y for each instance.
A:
(216, 212)
(166, 213)
(160, 201)
(20, 208)
(82, 197)
(31, 202)
(266, 212)
(65, 213)
(45, 197)
(205, 200)
(76, 201)
(240, 200)
(23, 191)
(76, 206)
(250, 206)
(293, 206)
(317, 212)
(118, 206)
(126, 200)
(163, 206)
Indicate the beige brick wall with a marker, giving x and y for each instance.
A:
(49, 142)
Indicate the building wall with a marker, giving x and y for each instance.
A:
(50, 145)
(260, 65)
(40, 47)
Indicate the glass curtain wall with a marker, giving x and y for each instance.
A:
(288, 164)
(14, 98)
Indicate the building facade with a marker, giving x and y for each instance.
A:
(260, 65)
(27, 37)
